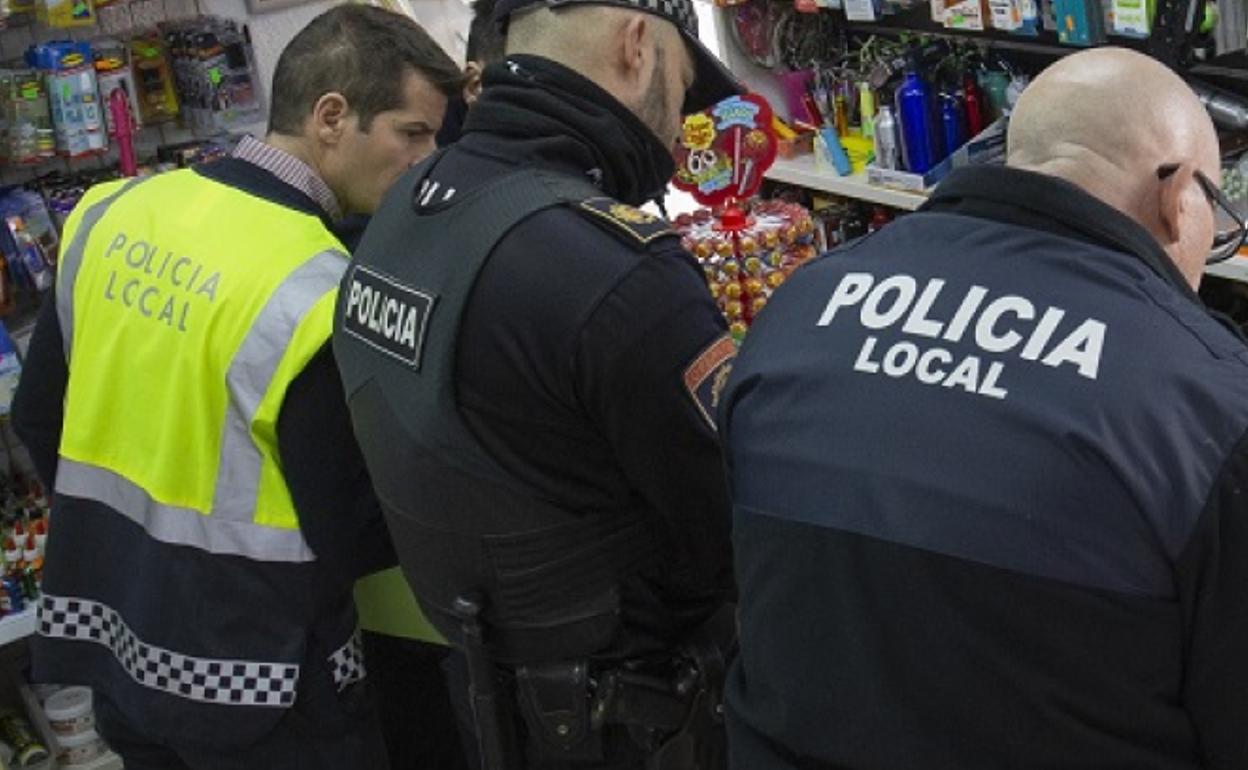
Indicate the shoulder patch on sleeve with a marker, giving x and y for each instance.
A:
(633, 222)
(706, 376)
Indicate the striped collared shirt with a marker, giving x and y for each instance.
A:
(290, 170)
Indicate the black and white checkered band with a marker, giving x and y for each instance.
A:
(679, 11)
(207, 680)
(347, 662)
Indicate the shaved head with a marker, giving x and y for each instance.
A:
(638, 57)
(1106, 120)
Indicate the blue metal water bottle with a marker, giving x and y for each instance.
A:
(952, 123)
(914, 111)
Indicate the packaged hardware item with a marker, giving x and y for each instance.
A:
(153, 80)
(113, 71)
(27, 135)
(215, 71)
(73, 96)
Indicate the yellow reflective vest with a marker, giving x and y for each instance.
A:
(221, 298)
(138, 279)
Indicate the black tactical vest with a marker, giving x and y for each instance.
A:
(460, 522)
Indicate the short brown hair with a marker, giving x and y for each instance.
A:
(359, 51)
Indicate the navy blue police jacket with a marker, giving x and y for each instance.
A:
(589, 343)
(988, 468)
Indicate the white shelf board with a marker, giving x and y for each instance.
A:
(801, 171)
(19, 626)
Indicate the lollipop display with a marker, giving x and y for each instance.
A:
(746, 249)
(744, 266)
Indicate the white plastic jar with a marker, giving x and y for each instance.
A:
(79, 748)
(70, 712)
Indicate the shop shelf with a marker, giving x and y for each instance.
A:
(18, 626)
(801, 171)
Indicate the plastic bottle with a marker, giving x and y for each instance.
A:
(914, 112)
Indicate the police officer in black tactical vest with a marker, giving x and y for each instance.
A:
(531, 365)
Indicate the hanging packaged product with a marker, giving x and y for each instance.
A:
(27, 136)
(1079, 22)
(1133, 18)
(216, 74)
(66, 14)
(153, 80)
(73, 95)
(16, 13)
(112, 70)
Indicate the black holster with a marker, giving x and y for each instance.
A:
(672, 712)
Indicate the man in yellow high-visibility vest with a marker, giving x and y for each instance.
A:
(212, 510)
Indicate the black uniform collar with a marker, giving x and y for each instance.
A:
(1018, 197)
(533, 111)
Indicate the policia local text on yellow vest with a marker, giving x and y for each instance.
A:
(179, 584)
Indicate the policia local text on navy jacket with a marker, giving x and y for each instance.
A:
(988, 468)
(338, 513)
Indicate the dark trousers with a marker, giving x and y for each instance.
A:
(295, 744)
(417, 718)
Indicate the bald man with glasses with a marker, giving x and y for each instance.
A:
(989, 465)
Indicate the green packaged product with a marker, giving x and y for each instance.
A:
(17, 732)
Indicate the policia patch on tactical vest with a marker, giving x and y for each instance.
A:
(706, 377)
(635, 223)
(387, 315)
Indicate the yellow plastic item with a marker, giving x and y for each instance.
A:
(860, 151)
(782, 129)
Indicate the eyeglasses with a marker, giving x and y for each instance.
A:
(1227, 241)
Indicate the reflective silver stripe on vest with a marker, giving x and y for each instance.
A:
(229, 527)
(177, 525)
(71, 259)
(251, 374)
(207, 680)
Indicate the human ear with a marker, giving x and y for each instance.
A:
(329, 117)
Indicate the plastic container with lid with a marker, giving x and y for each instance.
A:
(69, 712)
(79, 748)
